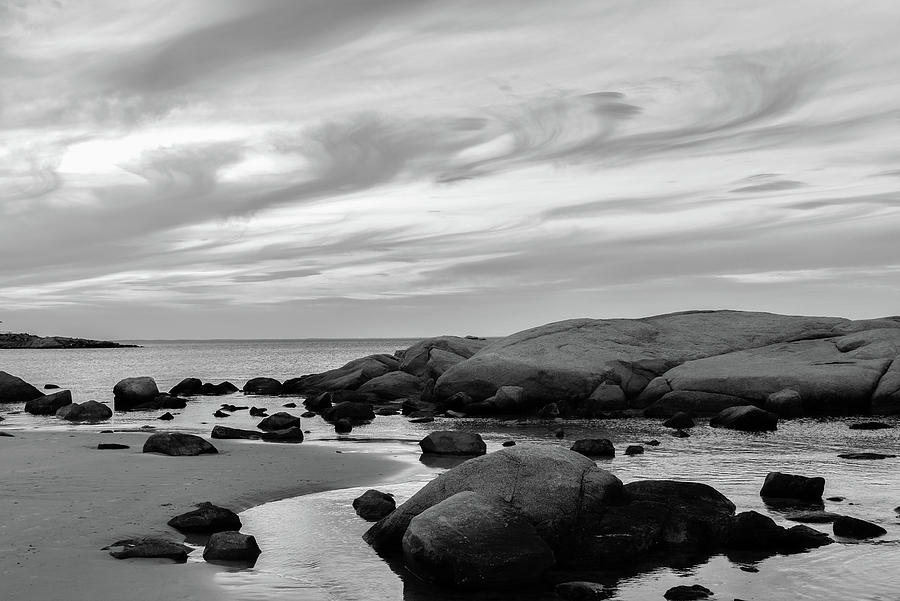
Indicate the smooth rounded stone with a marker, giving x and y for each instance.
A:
(509, 443)
(582, 591)
(161, 401)
(355, 412)
(206, 518)
(103, 446)
(220, 413)
(166, 416)
(594, 447)
(453, 442)
(264, 386)
(548, 411)
(634, 449)
(224, 432)
(753, 530)
(473, 541)
(294, 434)
(811, 517)
(51, 386)
(747, 418)
(231, 546)
(132, 392)
(870, 426)
(866, 456)
(687, 592)
(343, 426)
(347, 377)
(150, 548)
(220, 389)
(780, 485)
(394, 385)
(680, 421)
(785, 403)
(16, 390)
(849, 527)
(187, 387)
(280, 421)
(695, 402)
(373, 505)
(422, 420)
(90, 411)
(49, 404)
(178, 444)
(551, 486)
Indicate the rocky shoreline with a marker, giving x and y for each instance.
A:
(9, 340)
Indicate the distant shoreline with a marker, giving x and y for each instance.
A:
(10, 340)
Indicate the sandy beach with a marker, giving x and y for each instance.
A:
(62, 500)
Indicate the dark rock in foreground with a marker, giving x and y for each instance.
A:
(178, 444)
(231, 546)
(150, 547)
(49, 404)
(473, 541)
(206, 518)
(452, 442)
(16, 390)
(112, 446)
(779, 485)
(687, 593)
(849, 527)
(373, 505)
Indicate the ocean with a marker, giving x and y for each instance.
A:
(321, 556)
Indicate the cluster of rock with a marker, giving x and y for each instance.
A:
(225, 543)
(15, 390)
(506, 518)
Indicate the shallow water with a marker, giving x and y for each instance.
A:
(312, 548)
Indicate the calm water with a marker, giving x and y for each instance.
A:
(321, 556)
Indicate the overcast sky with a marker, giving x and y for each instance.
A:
(298, 168)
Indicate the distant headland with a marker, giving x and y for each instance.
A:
(9, 340)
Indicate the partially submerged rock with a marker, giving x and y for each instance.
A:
(231, 546)
(134, 392)
(687, 592)
(453, 442)
(866, 456)
(849, 527)
(263, 386)
(16, 390)
(49, 404)
(178, 444)
(594, 447)
(747, 418)
(187, 387)
(373, 505)
(224, 432)
(780, 485)
(89, 411)
(280, 421)
(354, 412)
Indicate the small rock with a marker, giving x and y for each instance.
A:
(280, 421)
(343, 426)
(750, 569)
(221, 414)
(307, 414)
(652, 443)
(581, 591)
(855, 528)
(864, 456)
(509, 443)
(594, 447)
(231, 546)
(634, 449)
(6, 434)
(680, 434)
(224, 432)
(50, 386)
(166, 416)
(456, 414)
(258, 411)
(112, 445)
(373, 505)
(178, 444)
(290, 405)
(293, 434)
(206, 518)
(150, 547)
(687, 593)
(422, 420)
(869, 426)
(835, 499)
(791, 486)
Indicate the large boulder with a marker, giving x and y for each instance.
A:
(453, 442)
(231, 546)
(280, 421)
(654, 515)
(133, 392)
(834, 375)
(431, 357)
(90, 411)
(470, 540)
(206, 518)
(373, 505)
(187, 387)
(220, 389)
(149, 547)
(178, 444)
(347, 377)
(49, 404)
(569, 359)
(692, 401)
(393, 385)
(779, 485)
(747, 418)
(552, 487)
(264, 386)
(16, 390)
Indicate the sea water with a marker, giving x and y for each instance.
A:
(312, 548)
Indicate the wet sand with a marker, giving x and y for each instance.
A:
(62, 500)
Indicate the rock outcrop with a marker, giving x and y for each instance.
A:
(31, 341)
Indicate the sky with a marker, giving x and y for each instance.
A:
(344, 168)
